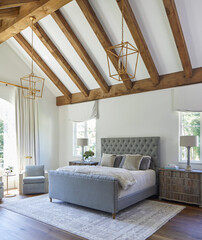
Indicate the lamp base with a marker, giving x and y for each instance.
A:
(188, 168)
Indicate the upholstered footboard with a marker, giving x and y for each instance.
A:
(97, 192)
(93, 191)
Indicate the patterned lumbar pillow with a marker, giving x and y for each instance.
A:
(118, 161)
(145, 163)
(132, 162)
(107, 160)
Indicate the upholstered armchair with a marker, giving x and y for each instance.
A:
(1, 189)
(33, 180)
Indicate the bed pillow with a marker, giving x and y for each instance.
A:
(107, 160)
(132, 162)
(145, 163)
(118, 160)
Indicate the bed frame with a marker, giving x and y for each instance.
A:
(101, 192)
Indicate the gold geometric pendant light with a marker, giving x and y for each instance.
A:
(125, 53)
(32, 85)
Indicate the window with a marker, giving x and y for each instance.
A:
(1, 144)
(84, 130)
(190, 125)
(8, 156)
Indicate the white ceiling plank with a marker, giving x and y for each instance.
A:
(155, 27)
(191, 19)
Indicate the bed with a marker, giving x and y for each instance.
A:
(104, 192)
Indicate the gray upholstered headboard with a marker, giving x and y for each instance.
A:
(142, 145)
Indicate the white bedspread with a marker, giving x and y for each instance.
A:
(125, 177)
(144, 179)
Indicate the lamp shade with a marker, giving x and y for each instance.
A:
(188, 141)
(82, 142)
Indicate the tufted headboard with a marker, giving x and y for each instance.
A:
(135, 145)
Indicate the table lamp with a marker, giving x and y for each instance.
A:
(82, 142)
(188, 141)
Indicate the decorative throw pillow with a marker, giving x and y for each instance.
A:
(118, 160)
(145, 163)
(107, 160)
(132, 162)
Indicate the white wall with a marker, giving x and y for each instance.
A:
(138, 115)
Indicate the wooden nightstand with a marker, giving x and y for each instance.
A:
(82, 163)
(182, 186)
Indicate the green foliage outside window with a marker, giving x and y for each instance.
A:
(190, 123)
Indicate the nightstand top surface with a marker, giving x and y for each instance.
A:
(84, 162)
(182, 170)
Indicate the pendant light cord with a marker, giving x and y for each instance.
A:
(32, 46)
(122, 10)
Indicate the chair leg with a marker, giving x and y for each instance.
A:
(113, 215)
(51, 199)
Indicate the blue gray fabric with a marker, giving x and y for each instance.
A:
(34, 181)
(117, 161)
(93, 191)
(1, 184)
(145, 163)
(31, 171)
(37, 179)
(33, 188)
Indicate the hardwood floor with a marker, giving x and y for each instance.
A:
(187, 225)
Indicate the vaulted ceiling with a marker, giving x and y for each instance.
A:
(70, 38)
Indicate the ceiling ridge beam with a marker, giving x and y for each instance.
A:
(70, 35)
(39, 10)
(139, 40)
(9, 13)
(100, 33)
(14, 3)
(59, 58)
(166, 81)
(44, 67)
(178, 35)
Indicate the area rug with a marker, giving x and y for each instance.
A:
(134, 223)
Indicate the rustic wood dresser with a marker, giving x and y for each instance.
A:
(182, 186)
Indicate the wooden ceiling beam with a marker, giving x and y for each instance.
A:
(166, 81)
(100, 33)
(39, 10)
(139, 40)
(14, 3)
(9, 12)
(176, 28)
(59, 58)
(70, 35)
(44, 67)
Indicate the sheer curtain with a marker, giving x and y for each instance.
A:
(27, 130)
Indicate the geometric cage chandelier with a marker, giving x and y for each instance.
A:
(32, 85)
(124, 52)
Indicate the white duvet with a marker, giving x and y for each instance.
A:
(125, 177)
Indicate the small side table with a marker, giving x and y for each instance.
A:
(7, 195)
(83, 163)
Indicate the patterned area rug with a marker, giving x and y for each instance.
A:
(134, 223)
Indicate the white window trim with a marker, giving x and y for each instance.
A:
(180, 161)
(75, 138)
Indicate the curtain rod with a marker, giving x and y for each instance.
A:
(15, 85)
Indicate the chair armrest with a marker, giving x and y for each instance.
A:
(46, 182)
(21, 176)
